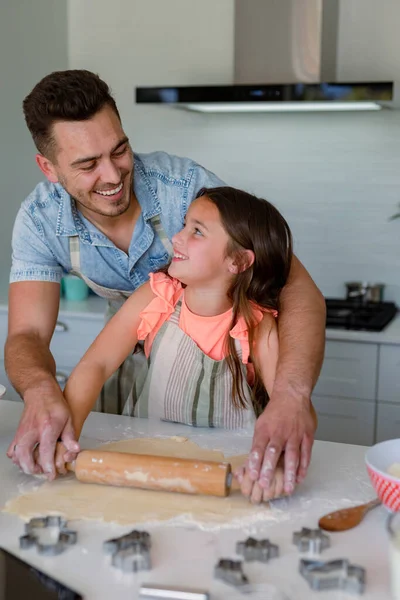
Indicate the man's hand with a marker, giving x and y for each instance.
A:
(46, 418)
(287, 425)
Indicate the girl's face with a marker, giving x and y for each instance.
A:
(200, 255)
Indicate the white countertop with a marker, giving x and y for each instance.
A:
(390, 335)
(186, 556)
(94, 308)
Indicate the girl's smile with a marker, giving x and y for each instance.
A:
(177, 256)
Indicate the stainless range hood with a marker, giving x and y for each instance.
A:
(290, 47)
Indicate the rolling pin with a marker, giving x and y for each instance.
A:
(164, 473)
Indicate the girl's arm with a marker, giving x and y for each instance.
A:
(108, 351)
(266, 350)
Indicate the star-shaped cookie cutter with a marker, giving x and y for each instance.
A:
(261, 550)
(311, 540)
(65, 536)
(130, 552)
(230, 571)
(335, 574)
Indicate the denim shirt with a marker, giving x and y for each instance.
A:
(164, 185)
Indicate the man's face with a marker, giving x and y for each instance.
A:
(94, 163)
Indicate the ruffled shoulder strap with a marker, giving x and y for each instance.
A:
(167, 291)
(240, 331)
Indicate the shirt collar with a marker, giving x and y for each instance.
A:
(68, 216)
(144, 191)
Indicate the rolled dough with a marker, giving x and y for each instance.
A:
(74, 500)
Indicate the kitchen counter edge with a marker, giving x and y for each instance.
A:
(94, 308)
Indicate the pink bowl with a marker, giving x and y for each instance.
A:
(378, 459)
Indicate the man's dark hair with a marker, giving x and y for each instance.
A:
(74, 95)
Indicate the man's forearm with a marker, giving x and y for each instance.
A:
(29, 362)
(302, 321)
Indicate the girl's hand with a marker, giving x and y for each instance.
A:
(63, 456)
(256, 494)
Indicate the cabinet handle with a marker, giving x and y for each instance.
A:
(61, 378)
(60, 326)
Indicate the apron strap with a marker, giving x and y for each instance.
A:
(75, 253)
(159, 229)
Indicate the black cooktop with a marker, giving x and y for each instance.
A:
(350, 314)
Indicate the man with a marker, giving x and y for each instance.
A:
(108, 215)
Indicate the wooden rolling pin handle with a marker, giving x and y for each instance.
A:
(149, 472)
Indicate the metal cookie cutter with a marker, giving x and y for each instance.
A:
(31, 538)
(261, 550)
(230, 571)
(164, 592)
(130, 552)
(311, 540)
(335, 574)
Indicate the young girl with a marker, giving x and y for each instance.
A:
(207, 321)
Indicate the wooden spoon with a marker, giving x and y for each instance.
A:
(346, 518)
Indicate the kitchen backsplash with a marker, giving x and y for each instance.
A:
(336, 177)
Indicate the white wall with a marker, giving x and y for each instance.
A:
(336, 177)
(369, 41)
(33, 42)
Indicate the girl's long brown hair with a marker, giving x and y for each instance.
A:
(252, 224)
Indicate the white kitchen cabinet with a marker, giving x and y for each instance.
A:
(10, 394)
(345, 395)
(357, 397)
(388, 421)
(349, 370)
(389, 374)
(72, 337)
(345, 420)
(388, 414)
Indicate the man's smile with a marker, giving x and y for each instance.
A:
(110, 192)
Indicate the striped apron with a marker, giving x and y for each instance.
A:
(180, 383)
(117, 388)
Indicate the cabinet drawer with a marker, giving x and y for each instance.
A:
(388, 421)
(345, 420)
(62, 374)
(10, 394)
(389, 374)
(72, 337)
(3, 332)
(349, 370)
